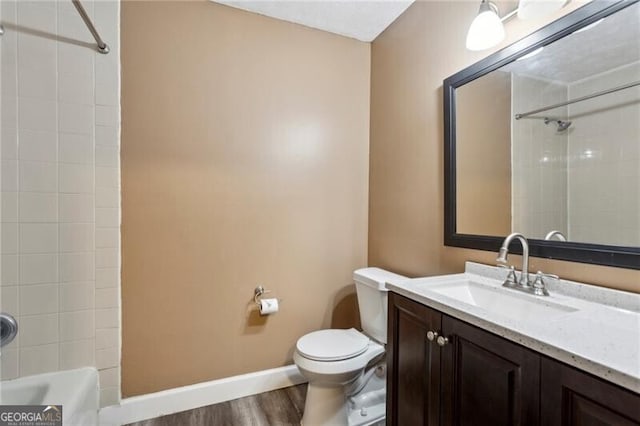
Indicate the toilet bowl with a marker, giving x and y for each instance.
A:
(345, 368)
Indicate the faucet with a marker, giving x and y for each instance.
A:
(559, 235)
(504, 252)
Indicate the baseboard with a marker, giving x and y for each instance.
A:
(171, 401)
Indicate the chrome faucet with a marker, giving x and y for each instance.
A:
(504, 252)
(559, 235)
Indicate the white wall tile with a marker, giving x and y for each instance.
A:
(77, 296)
(76, 178)
(107, 156)
(38, 145)
(109, 396)
(37, 114)
(77, 325)
(77, 237)
(9, 140)
(76, 208)
(38, 207)
(74, 60)
(107, 257)
(38, 299)
(76, 354)
(9, 238)
(38, 359)
(108, 238)
(9, 364)
(9, 300)
(75, 88)
(37, 176)
(76, 118)
(38, 330)
(38, 238)
(107, 358)
(38, 268)
(9, 175)
(108, 177)
(107, 338)
(107, 217)
(76, 148)
(107, 277)
(107, 115)
(9, 270)
(110, 377)
(107, 318)
(107, 135)
(76, 267)
(36, 52)
(9, 205)
(37, 82)
(107, 298)
(107, 197)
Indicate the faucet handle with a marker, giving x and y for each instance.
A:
(539, 289)
(511, 278)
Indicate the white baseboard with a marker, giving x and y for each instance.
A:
(171, 401)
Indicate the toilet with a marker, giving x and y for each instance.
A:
(346, 368)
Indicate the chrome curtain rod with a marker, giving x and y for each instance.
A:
(580, 99)
(102, 46)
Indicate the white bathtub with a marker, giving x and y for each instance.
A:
(75, 390)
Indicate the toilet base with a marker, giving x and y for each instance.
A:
(325, 405)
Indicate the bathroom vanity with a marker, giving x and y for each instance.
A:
(463, 350)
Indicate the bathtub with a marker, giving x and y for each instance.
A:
(75, 390)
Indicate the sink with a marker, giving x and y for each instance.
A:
(501, 301)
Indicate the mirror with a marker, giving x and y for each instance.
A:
(543, 138)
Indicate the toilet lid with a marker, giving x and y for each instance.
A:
(332, 345)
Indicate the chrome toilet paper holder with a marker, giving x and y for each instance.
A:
(258, 292)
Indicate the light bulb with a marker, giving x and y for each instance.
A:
(486, 30)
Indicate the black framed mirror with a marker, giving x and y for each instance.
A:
(544, 136)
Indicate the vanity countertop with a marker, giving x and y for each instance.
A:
(602, 335)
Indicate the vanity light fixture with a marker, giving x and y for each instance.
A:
(486, 30)
(532, 9)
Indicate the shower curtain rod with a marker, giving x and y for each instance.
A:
(580, 99)
(102, 46)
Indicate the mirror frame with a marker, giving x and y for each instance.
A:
(599, 254)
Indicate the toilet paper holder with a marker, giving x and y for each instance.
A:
(258, 292)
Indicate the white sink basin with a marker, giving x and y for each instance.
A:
(509, 303)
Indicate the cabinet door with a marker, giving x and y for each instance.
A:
(413, 363)
(572, 397)
(487, 380)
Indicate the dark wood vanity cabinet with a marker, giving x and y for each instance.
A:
(477, 378)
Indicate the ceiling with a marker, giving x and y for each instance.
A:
(612, 43)
(363, 20)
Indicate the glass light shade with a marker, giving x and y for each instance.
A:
(533, 9)
(485, 31)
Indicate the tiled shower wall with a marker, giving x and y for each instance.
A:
(539, 159)
(604, 160)
(60, 190)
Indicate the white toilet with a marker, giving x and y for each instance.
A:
(346, 368)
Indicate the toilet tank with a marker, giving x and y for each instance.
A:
(372, 300)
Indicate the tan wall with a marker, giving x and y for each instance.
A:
(483, 150)
(409, 62)
(244, 162)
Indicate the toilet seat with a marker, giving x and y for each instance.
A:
(332, 344)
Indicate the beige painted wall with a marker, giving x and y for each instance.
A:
(483, 150)
(409, 62)
(244, 162)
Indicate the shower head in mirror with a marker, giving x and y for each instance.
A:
(561, 125)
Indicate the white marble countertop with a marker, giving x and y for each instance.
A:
(601, 337)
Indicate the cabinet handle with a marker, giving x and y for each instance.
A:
(432, 335)
(442, 340)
